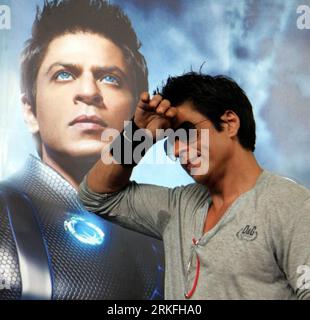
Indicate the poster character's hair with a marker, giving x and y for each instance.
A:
(59, 17)
(212, 96)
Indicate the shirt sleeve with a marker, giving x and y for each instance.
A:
(141, 207)
(296, 251)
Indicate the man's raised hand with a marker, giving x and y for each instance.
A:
(154, 113)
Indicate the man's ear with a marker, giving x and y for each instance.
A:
(29, 116)
(231, 122)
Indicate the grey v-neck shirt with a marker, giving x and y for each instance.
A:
(260, 249)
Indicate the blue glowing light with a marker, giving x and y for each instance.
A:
(85, 231)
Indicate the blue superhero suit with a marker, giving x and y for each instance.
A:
(51, 248)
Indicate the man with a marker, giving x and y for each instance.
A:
(239, 232)
(82, 73)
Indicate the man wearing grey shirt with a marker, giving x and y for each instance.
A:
(239, 232)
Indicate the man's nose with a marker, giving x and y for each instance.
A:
(88, 92)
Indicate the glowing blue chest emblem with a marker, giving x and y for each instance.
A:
(85, 231)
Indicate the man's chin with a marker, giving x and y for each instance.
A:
(85, 150)
(197, 173)
(80, 154)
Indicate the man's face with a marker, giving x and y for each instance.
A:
(211, 149)
(83, 86)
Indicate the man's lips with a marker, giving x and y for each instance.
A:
(188, 164)
(189, 160)
(85, 122)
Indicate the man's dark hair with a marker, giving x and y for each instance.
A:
(212, 96)
(59, 17)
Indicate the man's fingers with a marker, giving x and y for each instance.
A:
(145, 97)
(144, 101)
(148, 104)
(155, 101)
(163, 107)
(171, 112)
(157, 104)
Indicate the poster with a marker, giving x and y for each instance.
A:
(264, 45)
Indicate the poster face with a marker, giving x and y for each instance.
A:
(263, 45)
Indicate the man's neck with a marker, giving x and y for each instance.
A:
(71, 169)
(239, 176)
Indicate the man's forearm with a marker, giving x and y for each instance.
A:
(107, 178)
(151, 114)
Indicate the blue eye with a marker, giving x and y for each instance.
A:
(110, 80)
(63, 76)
